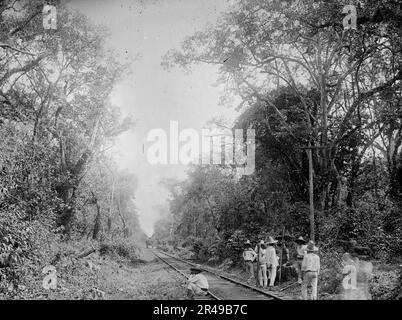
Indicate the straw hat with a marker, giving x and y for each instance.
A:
(300, 240)
(196, 268)
(248, 243)
(271, 240)
(347, 258)
(262, 242)
(311, 247)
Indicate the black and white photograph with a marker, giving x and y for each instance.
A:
(211, 150)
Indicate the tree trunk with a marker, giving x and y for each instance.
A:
(67, 194)
(109, 217)
(352, 183)
(126, 231)
(98, 221)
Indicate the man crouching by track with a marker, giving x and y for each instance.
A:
(197, 283)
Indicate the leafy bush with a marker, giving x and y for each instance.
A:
(330, 276)
(124, 248)
(365, 224)
(383, 285)
(235, 244)
(27, 211)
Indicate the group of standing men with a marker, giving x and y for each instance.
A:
(263, 261)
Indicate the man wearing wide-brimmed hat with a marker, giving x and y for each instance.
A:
(272, 260)
(310, 269)
(197, 282)
(301, 248)
(249, 256)
(261, 250)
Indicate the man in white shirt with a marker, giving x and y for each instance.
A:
(311, 269)
(249, 256)
(272, 261)
(300, 252)
(262, 264)
(197, 282)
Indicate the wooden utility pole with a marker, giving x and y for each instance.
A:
(311, 192)
(281, 261)
(309, 150)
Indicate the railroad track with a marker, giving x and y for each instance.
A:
(221, 287)
(186, 275)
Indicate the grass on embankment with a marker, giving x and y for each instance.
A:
(105, 274)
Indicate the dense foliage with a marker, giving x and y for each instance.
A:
(302, 81)
(57, 181)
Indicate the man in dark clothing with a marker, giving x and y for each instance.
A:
(285, 271)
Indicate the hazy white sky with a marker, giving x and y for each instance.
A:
(150, 94)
